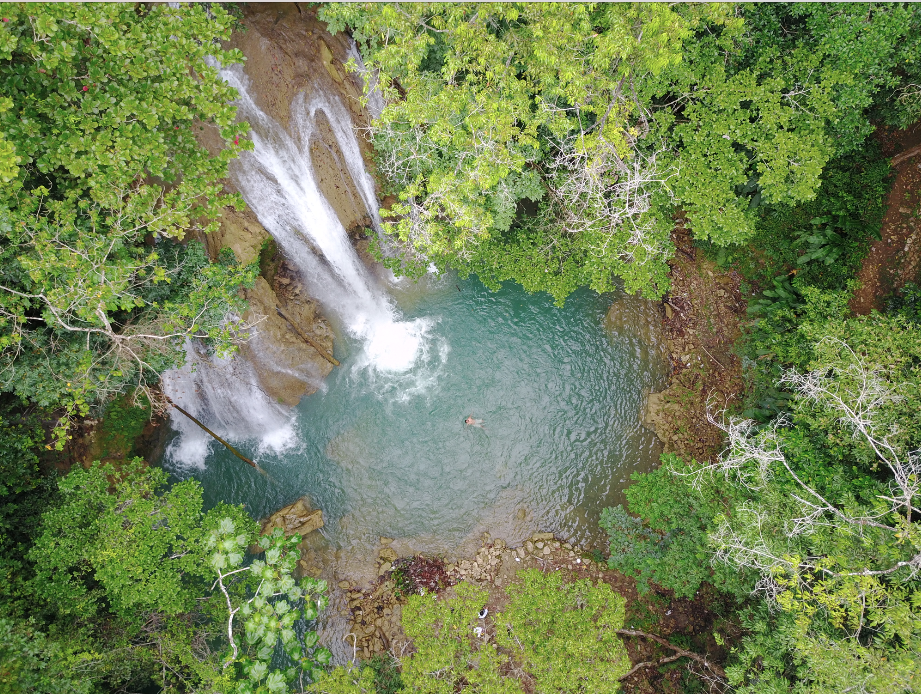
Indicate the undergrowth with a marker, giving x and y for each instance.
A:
(122, 424)
(821, 242)
(802, 259)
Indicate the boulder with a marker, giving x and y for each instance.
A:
(659, 414)
(295, 518)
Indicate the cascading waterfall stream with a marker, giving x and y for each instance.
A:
(223, 393)
(278, 182)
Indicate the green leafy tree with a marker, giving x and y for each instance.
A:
(560, 637)
(550, 145)
(345, 680)
(269, 612)
(448, 654)
(18, 462)
(102, 105)
(666, 543)
(828, 512)
(32, 664)
(142, 571)
(514, 138)
(129, 549)
(762, 101)
(564, 634)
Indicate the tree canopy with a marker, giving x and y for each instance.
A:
(102, 175)
(551, 145)
(512, 131)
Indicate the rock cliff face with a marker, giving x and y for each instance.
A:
(289, 52)
(288, 367)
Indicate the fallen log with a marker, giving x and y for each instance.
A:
(713, 667)
(907, 154)
(216, 437)
(323, 353)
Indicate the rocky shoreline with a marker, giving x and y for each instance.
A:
(702, 318)
(374, 611)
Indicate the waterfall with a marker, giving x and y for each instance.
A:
(225, 394)
(278, 182)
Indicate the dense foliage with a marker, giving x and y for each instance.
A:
(760, 104)
(809, 519)
(510, 133)
(815, 510)
(551, 144)
(558, 637)
(136, 584)
(101, 169)
(546, 144)
(666, 543)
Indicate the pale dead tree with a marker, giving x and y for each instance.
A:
(750, 453)
(858, 395)
(752, 549)
(597, 191)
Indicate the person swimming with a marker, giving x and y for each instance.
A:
(470, 421)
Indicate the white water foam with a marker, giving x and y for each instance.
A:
(396, 384)
(278, 182)
(224, 394)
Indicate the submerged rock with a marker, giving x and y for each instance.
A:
(660, 414)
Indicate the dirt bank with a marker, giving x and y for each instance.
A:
(895, 258)
(703, 315)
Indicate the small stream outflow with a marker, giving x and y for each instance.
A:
(279, 183)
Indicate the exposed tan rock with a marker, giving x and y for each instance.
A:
(660, 414)
(387, 554)
(241, 232)
(290, 53)
(288, 368)
(295, 518)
